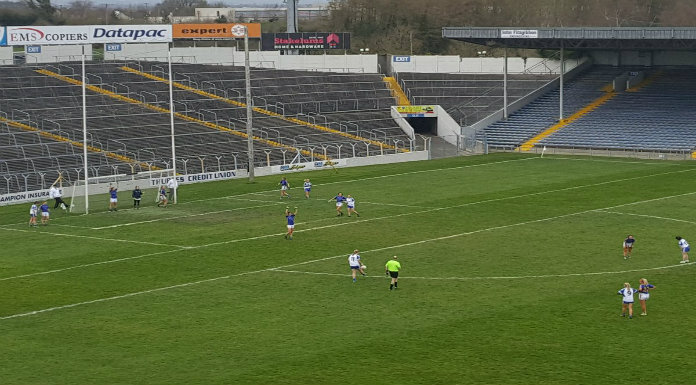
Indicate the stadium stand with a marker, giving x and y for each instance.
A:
(656, 117)
(468, 98)
(543, 112)
(129, 127)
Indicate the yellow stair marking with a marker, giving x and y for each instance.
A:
(529, 144)
(397, 91)
(75, 143)
(177, 114)
(260, 110)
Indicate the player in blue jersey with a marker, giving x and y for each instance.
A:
(339, 203)
(307, 188)
(628, 246)
(137, 196)
(45, 214)
(290, 216)
(644, 294)
(33, 212)
(684, 246)
(284, 187)
(162, 200)
(113, 198)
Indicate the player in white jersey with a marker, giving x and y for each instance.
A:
(356, 265)
(684, 246)
(627, 293)
(33, 212)
(350, 202)
(307, 188)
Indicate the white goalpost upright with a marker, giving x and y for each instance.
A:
(171, 119)
(84, 132)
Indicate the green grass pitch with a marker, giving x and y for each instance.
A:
(511, 265)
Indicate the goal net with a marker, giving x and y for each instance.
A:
(99, 187)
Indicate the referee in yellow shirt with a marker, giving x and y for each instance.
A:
(391, 269)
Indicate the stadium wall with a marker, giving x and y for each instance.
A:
(231, 56)
(6, 55)
(488, 65)
(58, 53)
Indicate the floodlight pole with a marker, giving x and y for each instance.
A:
(560, 100)
(249, 105)
(84, 131)
(505, 85)
(171, 116)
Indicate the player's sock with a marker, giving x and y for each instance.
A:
(391, 286)
(396, 284)
(353, 279)
(357, 214)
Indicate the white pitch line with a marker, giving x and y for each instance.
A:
(645, 162)
(567, 275)
(91, 237)
(128, 295)
(177, 217)
(86, 265)
(298, 263)
(649, 216)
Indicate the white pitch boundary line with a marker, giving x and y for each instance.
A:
(91, 237)
(496, 277)
(296, 264)
(347, 223)
(649, 216)
(645, 162)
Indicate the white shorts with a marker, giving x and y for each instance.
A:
(291, 226)
(643, 296)
(339, 204)
(283, 188)
(113, 200)
(44, 214)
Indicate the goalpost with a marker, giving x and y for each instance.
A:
(124, 183)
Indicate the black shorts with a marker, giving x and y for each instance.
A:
(394, 274)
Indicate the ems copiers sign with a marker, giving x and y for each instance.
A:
(88, 34)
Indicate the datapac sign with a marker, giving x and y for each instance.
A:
(88, 34)
(3, 37)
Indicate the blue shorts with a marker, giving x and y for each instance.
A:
(308, 189)
(627, 302)
(355, 267)
(686, 249)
